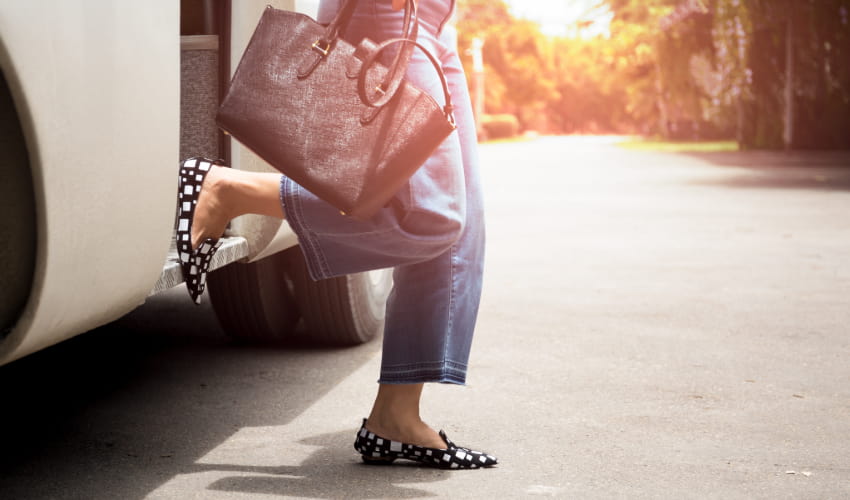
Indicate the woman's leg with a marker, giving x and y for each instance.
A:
(432, 311)
(229, 193)
(395, 416)
(435, 241)
(433, 307)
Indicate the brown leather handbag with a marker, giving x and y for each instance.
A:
(329, 115)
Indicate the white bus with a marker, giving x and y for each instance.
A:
(99, 101)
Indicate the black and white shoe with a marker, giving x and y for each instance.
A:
(376, 450)
(194, 262)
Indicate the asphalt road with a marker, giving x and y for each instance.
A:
(653, 326)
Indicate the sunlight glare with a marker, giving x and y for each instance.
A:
(575, 19)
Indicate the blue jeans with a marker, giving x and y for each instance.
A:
(432, 235)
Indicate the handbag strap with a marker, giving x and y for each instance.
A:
(397, 69)
(448, 109)
(343, 16)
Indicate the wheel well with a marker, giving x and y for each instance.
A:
(18, 223)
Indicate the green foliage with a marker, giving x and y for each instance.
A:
(589, 97)
(680, 69)
(499, 126)
(751, 39)
(518, 59)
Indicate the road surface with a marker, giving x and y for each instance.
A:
(653, 326)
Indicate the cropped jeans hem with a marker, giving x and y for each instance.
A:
(447, 372)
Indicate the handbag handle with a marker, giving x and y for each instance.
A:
(325, 43)
(397, 69)
(384, 97)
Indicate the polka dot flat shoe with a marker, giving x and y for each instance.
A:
(194, 262)
(376, 450)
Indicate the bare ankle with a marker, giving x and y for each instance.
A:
(395, 416)
(211, 213)
(218, 185)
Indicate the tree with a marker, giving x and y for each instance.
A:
(590, 97)
(656, 42)
(485, 20)
(518, 59)
(751, 69)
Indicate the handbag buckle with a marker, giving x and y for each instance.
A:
(317, 46)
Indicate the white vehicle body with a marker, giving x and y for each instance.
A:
(96, 86)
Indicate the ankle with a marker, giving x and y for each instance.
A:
(410, 431)
(391, 424)
(220, 185)
(243, 192)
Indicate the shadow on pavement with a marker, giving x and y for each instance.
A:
(812, 170)
(329, 473)
(126, 408)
